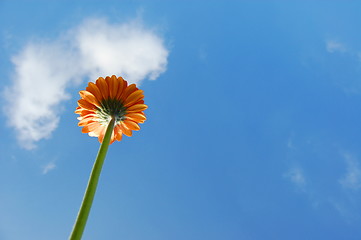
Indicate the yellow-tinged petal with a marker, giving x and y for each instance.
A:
(96, 132)
(122, 85)
(93, 89)
(87, 115)
(118, 133)
(78, 110)
(89, 97)
(91, 127)
(101, 136)
(112, 138)
(137, 108)
(82, 111)
(113, 86)
(119, 136)
(131, 125)
(103, 87)
(86, 121)
(139, 102)
(129, 90)
(85, 104)
(136, 117)
(125, 130)
(134, 97)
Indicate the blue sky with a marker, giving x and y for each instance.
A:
(253, 127)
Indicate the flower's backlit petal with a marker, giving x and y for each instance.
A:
(129, 90)
(131, 125)
(91, 127)
(134, 97)
(136, 117)
(78, 110)
(118, 132)
(122, 85)
(113, 86)
(89, 97)
(137, 108)
(83, 111)
(91, 114)
(103, 87)
(85, 104)
(119, 136)
(97, 131)
(125, 130)
(139, 102)
(101, 136)
(93, 89)
(112, 138)
(86, 121)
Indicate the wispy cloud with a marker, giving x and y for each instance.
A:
(48, 167)
(45, 69)
(290, 144)
(352, 178)
(202, 53)
(335, 46)
(296, 176)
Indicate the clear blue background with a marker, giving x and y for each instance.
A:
(251, 95)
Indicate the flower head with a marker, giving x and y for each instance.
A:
(110, 98)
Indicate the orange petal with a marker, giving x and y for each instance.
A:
(136, 117)
(101, 136)
(89, 97)
(112, 138)
(129, 90)
(103, 87)
(78, 110)
(85, 104)
(93, 126)
(131, 125)
(92, 115)
(84, 112)
(86, 121)
(122, 85)
(96, 132)
(85, 129)
(126, 130)
(118, 133)
(139, 102)
(134, 97)
(119, 136)
(93, 89)
(113, 86)
(137, 108)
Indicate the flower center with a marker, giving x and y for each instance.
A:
(111, 108)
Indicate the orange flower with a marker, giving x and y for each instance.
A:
(111, 98)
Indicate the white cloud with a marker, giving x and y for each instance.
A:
(129, 50)
(352, 178)
(50, 166)
(296, 176)
(335, 46)
(44, 70)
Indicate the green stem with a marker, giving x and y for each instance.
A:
(83, 214)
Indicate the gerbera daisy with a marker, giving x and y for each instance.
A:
(107, 99)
